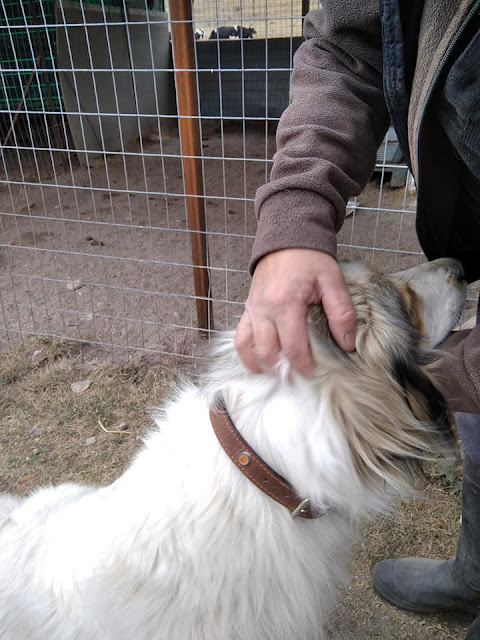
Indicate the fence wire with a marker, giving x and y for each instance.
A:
(94, 231)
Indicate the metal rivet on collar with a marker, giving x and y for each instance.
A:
(304, 504)
(243, 459)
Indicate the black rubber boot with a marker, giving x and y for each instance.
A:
(433, 586)
(474, 631)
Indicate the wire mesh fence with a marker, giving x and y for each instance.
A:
(270, 19)
(95, 216)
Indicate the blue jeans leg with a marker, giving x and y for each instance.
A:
(469, 425)
(469, 428)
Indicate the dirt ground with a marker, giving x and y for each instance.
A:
(102, 253)
(50, 434)
(111, 229)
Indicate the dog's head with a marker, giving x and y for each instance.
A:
(354, 427)
(384, 395)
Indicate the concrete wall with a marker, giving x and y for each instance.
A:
(257, 92)
(102, 97)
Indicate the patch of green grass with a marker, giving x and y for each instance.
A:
(448, 475)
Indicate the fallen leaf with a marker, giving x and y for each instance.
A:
(27, 478)
(81, 386)
(38, 356)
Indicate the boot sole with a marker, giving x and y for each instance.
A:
(407, 606)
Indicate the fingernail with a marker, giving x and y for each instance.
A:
(349, 340)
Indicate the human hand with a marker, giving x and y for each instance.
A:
(284, 284)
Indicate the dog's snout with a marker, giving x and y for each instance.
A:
(452, 266)
(456, 270)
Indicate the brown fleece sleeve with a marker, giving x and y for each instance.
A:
(327, 138)
(459, 370)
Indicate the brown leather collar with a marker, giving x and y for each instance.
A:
(256, 470)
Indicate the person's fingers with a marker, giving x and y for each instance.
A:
(339, 310)
(285, 283)
(267, 345)
(245, 344)
(258, 346)
(293, 334)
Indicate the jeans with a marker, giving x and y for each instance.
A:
(469, 425)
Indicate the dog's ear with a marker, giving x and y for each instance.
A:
(423, 397)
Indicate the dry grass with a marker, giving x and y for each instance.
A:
(44, 426)
(425, 528)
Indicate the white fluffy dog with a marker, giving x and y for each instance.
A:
(183, 546)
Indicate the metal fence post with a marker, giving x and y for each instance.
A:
(183, 43)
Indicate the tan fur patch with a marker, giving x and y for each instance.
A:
(414, 306)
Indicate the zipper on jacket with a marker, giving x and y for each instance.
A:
(470, 15)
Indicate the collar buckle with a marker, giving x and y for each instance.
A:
(301, 507)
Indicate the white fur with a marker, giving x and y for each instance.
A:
(182, 546)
